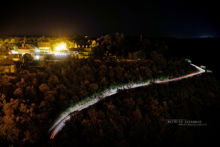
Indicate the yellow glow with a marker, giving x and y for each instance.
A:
(60, 47)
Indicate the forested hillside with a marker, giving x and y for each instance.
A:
(138, 117)
(31, 100)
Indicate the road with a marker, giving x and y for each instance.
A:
(71, 111)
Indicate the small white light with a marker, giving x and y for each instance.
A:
(60, 54)
(14, 52)
(37, 50)
(37, 57)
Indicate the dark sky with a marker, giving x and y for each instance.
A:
(150, 17)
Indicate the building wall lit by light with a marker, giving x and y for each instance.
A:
(44, 47)
(60, 47)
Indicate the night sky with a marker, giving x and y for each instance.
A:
(170, 18)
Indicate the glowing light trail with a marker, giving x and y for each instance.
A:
(65, 116)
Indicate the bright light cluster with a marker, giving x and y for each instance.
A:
(60, 54)
(60, 47)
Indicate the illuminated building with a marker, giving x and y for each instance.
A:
(60, 47)
(24, 49)
(7, 66)
(74, 51)
(79, 53)
(44, 47)
(93, 44)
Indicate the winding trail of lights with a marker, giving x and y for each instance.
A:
(71, 111)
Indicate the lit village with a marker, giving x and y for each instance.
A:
(41, 48)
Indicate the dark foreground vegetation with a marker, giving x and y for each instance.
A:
(138, 117)
(31, 101)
